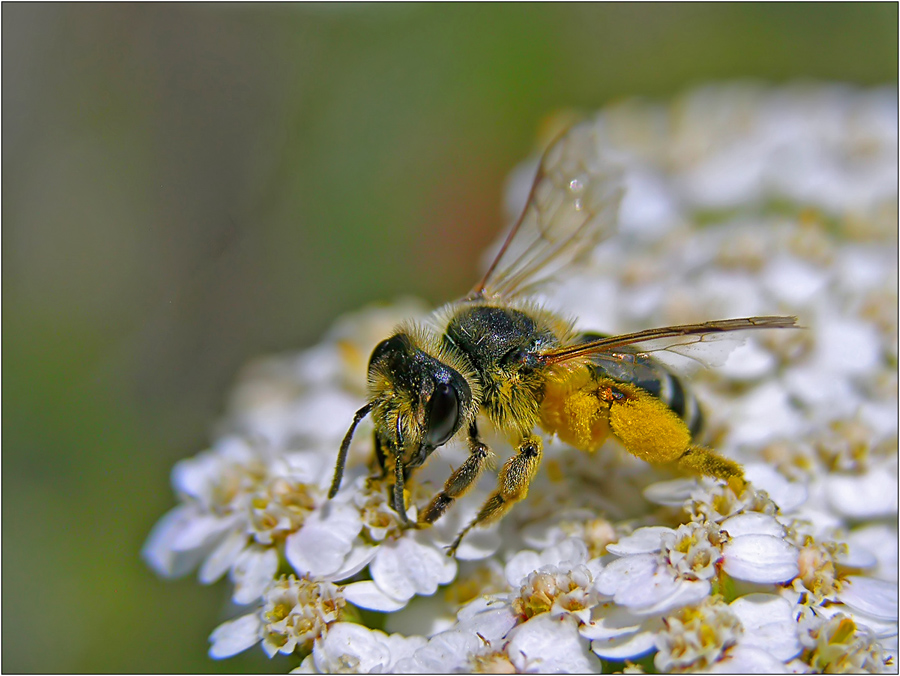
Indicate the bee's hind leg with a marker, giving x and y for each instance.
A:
(709, 463)
(460, 481)
(512, 485)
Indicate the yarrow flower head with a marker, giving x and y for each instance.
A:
(738, 201)
(838, 646)
(697, 636)
(294, 613)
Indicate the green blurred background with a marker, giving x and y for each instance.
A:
(187, 186)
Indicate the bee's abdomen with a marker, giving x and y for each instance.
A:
(651, 376)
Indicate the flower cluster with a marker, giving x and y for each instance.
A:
(740, 201)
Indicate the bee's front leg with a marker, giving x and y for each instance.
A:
(461, 480)
(513, 481)
(398, 499)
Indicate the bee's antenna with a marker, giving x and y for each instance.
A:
(345, 446)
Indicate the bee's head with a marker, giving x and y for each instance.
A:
(418, 400)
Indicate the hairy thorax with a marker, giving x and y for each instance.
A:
(503, 345)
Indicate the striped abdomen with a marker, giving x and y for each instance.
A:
(650, 375)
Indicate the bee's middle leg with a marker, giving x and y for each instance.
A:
(513, 481)
(460, 481)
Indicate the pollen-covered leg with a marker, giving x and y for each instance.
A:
(512, 485)
(460, 481)
(705, 461)
(650, 431)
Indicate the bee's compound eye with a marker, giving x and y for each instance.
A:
(443, 415)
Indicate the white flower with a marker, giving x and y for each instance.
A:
(875, 599)
(550, 644)
(560, 580)
(477, 635)
(295, 612)
(661, 568)
(240, 501)
(741, 201)
(401, 569)
(647, 586)
(757, 551)
(838, 645)
(697, 636)
(617, 633)
(324, 545)
(353, 648)
(768, 625)
(754, 634)
(359, 528)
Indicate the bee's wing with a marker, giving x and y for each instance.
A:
(701, 342)
(571, 208)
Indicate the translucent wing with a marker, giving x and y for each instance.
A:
(708, 343)
(571, 208)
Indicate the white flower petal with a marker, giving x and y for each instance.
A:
(201, 532)
(748, 361)
(788, 495)
(621, 572)
(479, 605)
(366, 594)
(752, 523)
(881, 540)
(548, 644)
(872, 597)
(764, 413)
(681, 593)
(760, 558)
(521, 566)
(235, 636)
(567, 554)
(823, 522)
(403, 647)
(322, 416)
(323, 542)
(768, 625)
(743, 659)
(671, 493)
(478, 544)
(792, 280)
(405, 567)
(856, 557)
(254, 569)
(492, 624)
(310, 467)
(348, 647)
(445, 652)
(641, 583)
(359, 557)
(611, 622)
(870, 496)
(158, 551)
(641, 541)
(307, 666)
(627, 646)
(223, 557)
(833, 336)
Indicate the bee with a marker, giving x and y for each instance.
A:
(498, 354)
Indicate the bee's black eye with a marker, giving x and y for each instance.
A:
(443, 415)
